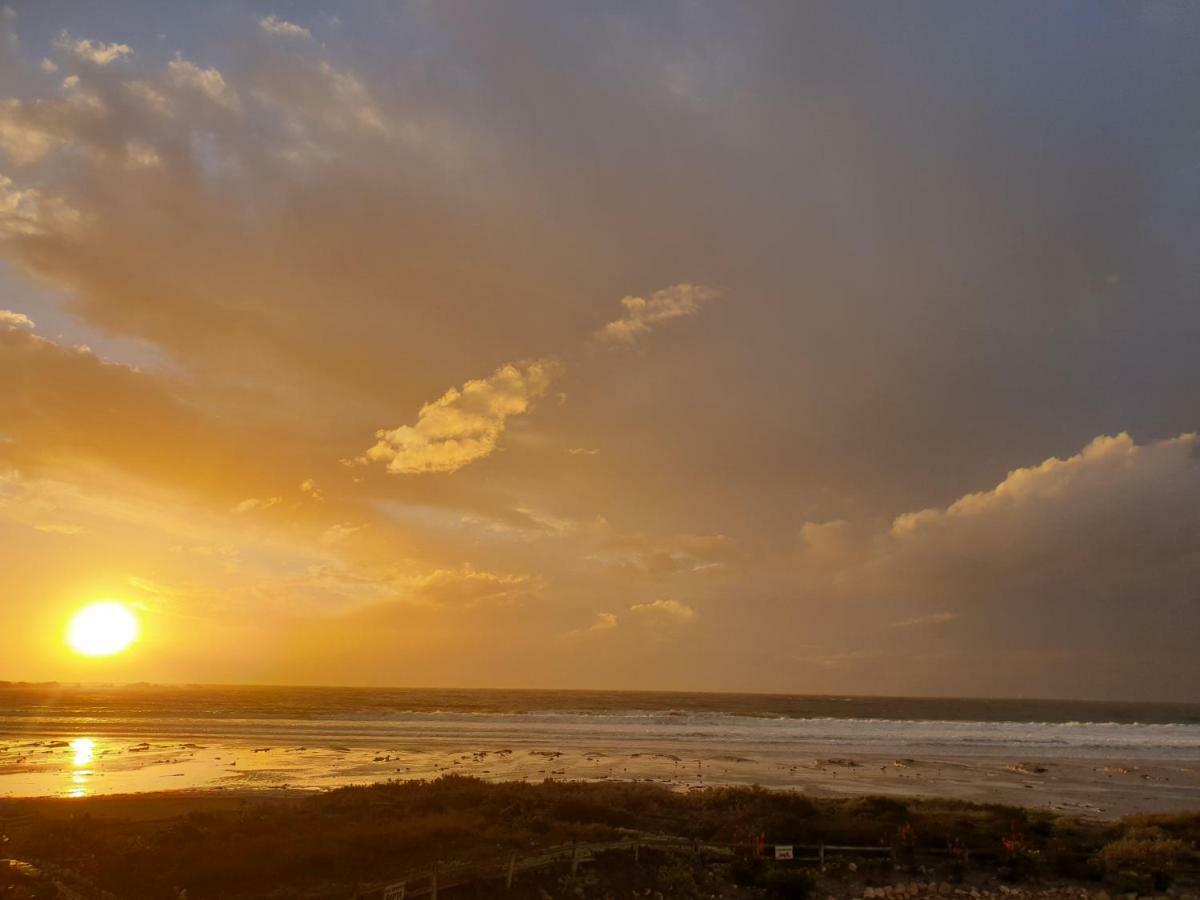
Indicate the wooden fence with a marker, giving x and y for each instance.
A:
(428, 882)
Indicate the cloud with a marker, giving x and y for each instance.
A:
(937, 618)
(21, 137)
(1107, 506)
(10, 319)
(659, 557)
(96, 52)
(253, 503)
(281, 28)
(848, 659)
(640, 316)
(463, 425)
(141, 155)
(309, 488)
(29, 213)
(339, 532)
(57, 528)
(1093, 556)
(468, 586)
(208, 82)
(604, 623)
(584, 451)
(669, 610)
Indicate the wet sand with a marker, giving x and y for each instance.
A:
(77, 767)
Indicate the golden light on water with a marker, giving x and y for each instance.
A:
(102, 629)
(84, 750)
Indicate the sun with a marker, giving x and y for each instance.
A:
(102, 628)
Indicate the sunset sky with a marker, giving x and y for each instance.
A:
(802, 347)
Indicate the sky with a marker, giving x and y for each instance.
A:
(808, 348)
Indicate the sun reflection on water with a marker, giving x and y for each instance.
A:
(85, 751)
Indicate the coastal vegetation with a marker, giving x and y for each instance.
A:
(328, 845)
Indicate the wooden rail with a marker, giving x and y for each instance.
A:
(428, 882)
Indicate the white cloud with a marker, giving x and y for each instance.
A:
(96, 52)
(282, 28)
(671, 610)
(10, 319)
(640, 315)
(309, 488)
(463, 425)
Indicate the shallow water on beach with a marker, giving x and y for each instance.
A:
(72, 741)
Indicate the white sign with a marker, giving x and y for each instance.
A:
(395, 891)
(783, 851)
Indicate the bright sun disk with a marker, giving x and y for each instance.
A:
(102, 628)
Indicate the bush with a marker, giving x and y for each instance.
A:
(747, 871)
(1145, 857)
(677, 878)
(789, 884)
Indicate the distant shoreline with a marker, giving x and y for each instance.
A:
(599, 691)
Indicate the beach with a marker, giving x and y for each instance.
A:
(76, 742)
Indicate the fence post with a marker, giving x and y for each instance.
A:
(434, 885)
(636, 848)
(574, 858)
(821, 850)
(966, 857)
(512, 865)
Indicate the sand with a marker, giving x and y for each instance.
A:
(1092, 788)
